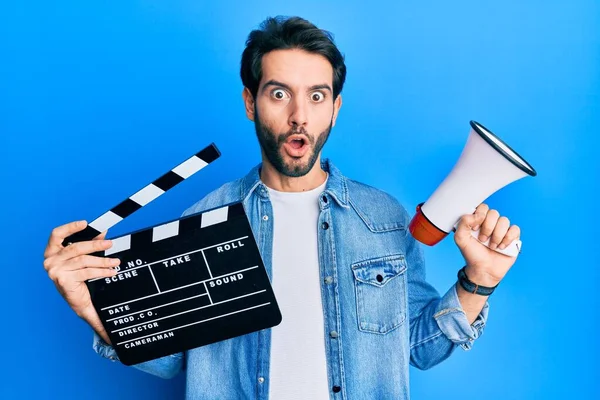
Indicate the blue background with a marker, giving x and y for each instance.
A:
(97, 100)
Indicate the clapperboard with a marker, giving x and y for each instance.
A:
(181, 284)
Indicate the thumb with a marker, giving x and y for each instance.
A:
(467, 223)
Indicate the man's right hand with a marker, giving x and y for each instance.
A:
(69, 267)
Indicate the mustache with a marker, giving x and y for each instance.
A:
(282, 138)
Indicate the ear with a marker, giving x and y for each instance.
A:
(248, 103)
(337, 104)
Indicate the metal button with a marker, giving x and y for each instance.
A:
(333, 334)
(379, 278)
(325, 199)
(328, 280)
(261, 379)
(325, 225)
(336, 389)
(265, 217)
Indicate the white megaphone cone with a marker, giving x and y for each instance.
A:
(485, 165)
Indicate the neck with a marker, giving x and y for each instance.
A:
(277, 181)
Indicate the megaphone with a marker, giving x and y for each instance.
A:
(485, 165)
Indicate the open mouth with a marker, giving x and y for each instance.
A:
(296, 145)
(297, 141)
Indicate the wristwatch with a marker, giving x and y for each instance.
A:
(472, 287)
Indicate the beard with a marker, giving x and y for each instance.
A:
(272, 144)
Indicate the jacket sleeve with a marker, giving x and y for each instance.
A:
(165, 367)
(437, 324)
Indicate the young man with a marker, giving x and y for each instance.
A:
(348, 276)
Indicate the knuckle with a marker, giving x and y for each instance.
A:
(487, 228)
(79, 260)
(52, 274)
(84, 275)
(98, 245)
(47, 264)
(72, 250)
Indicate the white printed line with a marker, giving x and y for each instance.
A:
(169, 258)
(206, 262)
(197, 322)
(220, 244)
(152, 308)
(188, 311)
(154, 279)
(210, 298)
(180, 287)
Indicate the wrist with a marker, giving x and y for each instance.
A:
(481, 278)
(468, 285)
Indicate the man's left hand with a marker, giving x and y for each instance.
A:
(484, 265)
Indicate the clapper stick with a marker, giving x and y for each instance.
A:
(127, 207)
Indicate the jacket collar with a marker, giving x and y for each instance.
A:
(336, 183)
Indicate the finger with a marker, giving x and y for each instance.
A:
(465, 225)
(514, 232)
(60, 233)
(473, 221)
(481, 211)
(86, 274)
(88, 247)
(488, 225)
(101, 236)
(87, 261)
(499, 232)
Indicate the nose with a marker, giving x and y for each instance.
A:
(299, 113)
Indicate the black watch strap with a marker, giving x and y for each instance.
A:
(472, 287)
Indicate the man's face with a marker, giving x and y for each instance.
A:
(293, 111)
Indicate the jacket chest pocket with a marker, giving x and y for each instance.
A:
(380, 285)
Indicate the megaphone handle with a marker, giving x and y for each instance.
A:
(511, 250)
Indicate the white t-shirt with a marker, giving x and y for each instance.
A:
(298, 365)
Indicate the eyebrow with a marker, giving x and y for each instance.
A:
(273, 82)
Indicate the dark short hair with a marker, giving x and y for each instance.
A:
(279, 33)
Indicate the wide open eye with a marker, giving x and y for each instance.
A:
(317, 97)
(279, 94)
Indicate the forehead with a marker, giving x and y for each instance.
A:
(296, 68)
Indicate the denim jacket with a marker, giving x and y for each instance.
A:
(380, 315)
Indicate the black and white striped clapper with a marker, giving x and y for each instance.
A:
(182, 284)
(144, 196)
